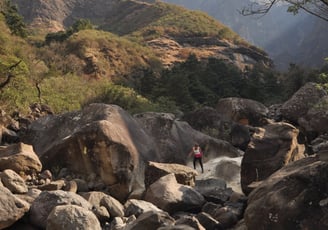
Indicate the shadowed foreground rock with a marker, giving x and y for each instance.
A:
(294, 197)
(11, 208)
(272, 147)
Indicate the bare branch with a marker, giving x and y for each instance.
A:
(318, 8)
(9, 75)
(256, 8)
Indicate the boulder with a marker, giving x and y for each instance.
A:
(295, 197)
(206, 186)
(47, 200)
(72, 217)
(242, 111)
(271, 147)
(101, 140)
(316, 118)
(8, 129)
(137, 207)
(183, 174)
(21, 158)
(170, 196)
(240, 136)
(8, 136)
(320, 147)
(228, 169)
(150, 220)
(11, 209)
(13, 181)
(302, 101)
(114, 207)
(100, 199)
(206, 120)
(30, 196)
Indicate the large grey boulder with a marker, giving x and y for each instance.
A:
(295, 197)
(206, 120)
(271, 147)
(101, 140)
(241, 110)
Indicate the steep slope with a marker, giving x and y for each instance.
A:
(299, 39)
(172, 32)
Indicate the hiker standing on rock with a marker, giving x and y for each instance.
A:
(198, 154)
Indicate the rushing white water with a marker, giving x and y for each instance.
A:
(226, 168)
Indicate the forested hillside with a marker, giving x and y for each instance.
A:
(150, 57)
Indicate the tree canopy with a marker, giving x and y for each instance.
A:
(318, 8)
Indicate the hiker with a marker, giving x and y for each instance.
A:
(198, 154)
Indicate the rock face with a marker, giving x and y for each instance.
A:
(205, 118)
(103, 140)
(272, 147)
(174, 138)
(294, 197)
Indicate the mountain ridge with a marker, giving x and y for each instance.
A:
(287, 38)
(156, 23)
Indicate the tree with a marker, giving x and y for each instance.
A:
(61, 36)
(318, 8)
(14, 21)
(81, 24)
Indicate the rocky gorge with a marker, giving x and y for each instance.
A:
(103, 168)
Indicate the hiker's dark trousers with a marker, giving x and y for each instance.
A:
(199, 159)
